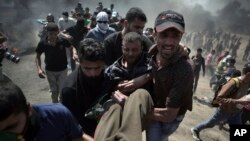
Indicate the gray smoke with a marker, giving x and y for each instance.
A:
(19, 21)
(200, 15)
(235, 17)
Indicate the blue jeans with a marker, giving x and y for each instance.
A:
(233, 118)
(159, 131)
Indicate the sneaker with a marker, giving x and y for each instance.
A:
(108, 104)
(195, 134)
(95, 112)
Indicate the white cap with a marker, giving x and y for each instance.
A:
(102, 16)
(115, 14)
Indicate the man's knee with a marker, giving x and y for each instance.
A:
(114, 109)
(141, 96)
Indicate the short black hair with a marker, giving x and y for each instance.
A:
(12, 99)
(135, 13)
(90, 50)
(236, 73)
(65, 13)
(80, 22)
(132, 36)
(199, 50)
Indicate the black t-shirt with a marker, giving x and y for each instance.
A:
(77, 33)
(55, 56)
(113, 46)
(199, 62)
(116, 27)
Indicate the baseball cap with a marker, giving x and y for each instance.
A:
(114, 14)
(169, 19)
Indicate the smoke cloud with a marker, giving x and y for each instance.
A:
(200, 15)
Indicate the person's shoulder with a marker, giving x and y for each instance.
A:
(92, 30)
(43, 41)
(114, 35)
(48, 106)
(112, 24)
(70, 29)
(144, 37)
(115, 65)
(184, 64)
(63, 41)
(146, 40)
(60, 19)
(41, 44)
(47, 109)
(72, 19)
(112, 29)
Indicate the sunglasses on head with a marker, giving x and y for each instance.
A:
(102, 22)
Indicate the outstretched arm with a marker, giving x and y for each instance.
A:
(165, 114)
(132, 85)
(40, 71)
(85, 137)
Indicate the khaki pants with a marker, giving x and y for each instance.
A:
(55, 79)
(126, 123)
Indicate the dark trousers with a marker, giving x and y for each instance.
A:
(196, 79)
(72, 61)
(245, 117)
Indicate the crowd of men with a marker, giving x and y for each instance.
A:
(208, 40)
(122, 80)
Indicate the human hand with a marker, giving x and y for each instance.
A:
(41, 73)
(64, 36)
(119, 97)
(129, 86)
(75, 57)
(126, 86)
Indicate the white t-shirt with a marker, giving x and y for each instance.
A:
(63, 24)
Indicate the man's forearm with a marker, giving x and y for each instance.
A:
(245, 100)
(141, 80)
(38, 63)
(165, 114)
(87, 138)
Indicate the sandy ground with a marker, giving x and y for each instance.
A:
(36, 90)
